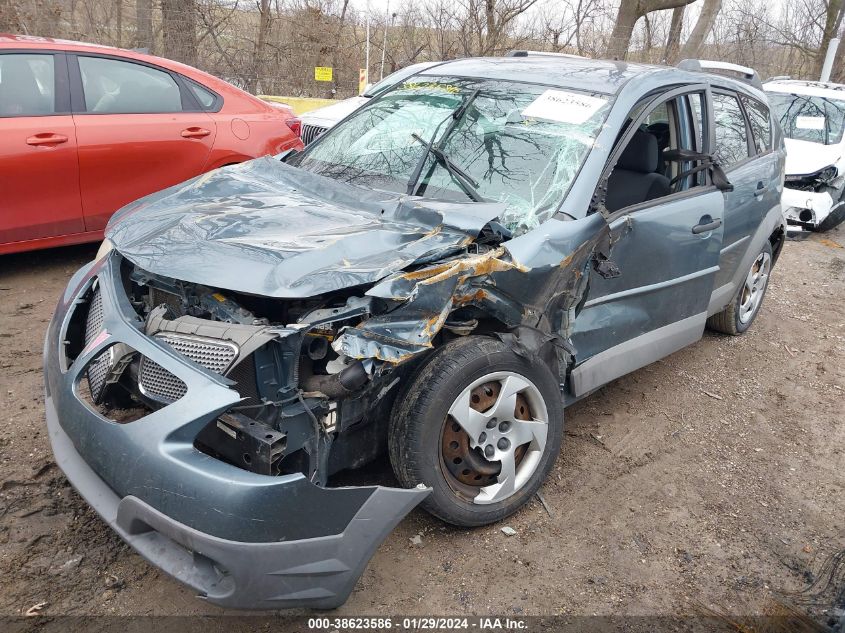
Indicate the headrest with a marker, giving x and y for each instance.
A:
(641, 154)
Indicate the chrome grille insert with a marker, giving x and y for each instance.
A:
(310, 133)
(155, 382)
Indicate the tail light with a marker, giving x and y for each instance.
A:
(295, 125)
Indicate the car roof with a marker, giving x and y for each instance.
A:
(31, 42)
(579, 73)
(55, 44)
(810, 88)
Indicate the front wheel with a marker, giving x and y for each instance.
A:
(481, 426)
(738, 316)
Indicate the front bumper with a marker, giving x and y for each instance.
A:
(240, 539)
(808, 209)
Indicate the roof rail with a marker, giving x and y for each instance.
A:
(524, 53)
(778, 78)
(746, 74)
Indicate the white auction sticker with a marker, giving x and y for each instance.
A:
(809, 122)
(565, 107)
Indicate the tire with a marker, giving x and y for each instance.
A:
(740, 313)
(472, 373)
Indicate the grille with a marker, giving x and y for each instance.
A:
(169, 299)
(157, 383)
(99, 367)
(310, 133)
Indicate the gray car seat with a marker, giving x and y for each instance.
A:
(634, 179)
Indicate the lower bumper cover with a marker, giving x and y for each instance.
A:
(318, 572)
(239, 539)
(820, 204)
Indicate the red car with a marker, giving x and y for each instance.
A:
(85, 129)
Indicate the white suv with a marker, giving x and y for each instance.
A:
(812, 116)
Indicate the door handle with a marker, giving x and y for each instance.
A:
(709, 226)
(46, 138)
(195, 132)
(761, 188)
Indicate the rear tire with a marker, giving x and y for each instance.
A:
(740, 313)
(502, 398)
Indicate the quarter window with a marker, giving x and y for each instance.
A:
(118, 87)
(27, 85)
(205, 97)
(760, 122)
(731, 136)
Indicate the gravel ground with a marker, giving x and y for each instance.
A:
(714, 478)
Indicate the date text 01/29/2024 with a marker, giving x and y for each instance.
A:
(419, 623)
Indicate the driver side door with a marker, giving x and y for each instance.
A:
(666, 248)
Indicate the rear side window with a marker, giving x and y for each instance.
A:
(760, 122)
(205, 97)
(27, 85)
(731, 136)
(117, 87)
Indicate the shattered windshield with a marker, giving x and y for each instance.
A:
(809, 118)
(463, 139)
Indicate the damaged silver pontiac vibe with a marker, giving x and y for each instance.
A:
(435, 278)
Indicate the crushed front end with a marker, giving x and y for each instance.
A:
(814, 202)
(178, 415)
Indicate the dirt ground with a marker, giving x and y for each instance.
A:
(714, 477)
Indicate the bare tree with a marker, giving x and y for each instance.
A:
(703, 27)
(629, 12)
(144, 25)
(179, 30)
(673, 41)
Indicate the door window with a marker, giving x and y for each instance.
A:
(27, 85)
(760, 122)
(731, 135)
(642, 173)
(117, 87)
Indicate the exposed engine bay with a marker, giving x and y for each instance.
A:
(306, 406)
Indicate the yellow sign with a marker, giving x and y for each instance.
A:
(322, 73)
(362, 80)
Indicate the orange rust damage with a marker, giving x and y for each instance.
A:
(470, 266)
(476, 297)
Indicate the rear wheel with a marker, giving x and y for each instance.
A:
(738, 316)
(481, 426)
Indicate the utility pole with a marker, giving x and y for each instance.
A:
(384, 41)
(828, 60)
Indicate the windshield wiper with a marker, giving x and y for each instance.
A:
(436, 149)
(464, 180)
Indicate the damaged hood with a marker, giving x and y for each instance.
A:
(269, 229)
(806, 157)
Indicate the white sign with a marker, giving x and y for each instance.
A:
(565, 107)
(809, 122)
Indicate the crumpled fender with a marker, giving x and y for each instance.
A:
(537, 280)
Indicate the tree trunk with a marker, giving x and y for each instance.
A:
(620, 37)
(144, 24)
(838, 74)
(702, 29)
(629, 12)
(258, 50)
(179, 30)
(118, 41)
(491, 37)
(835, 10)
(673, 42)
